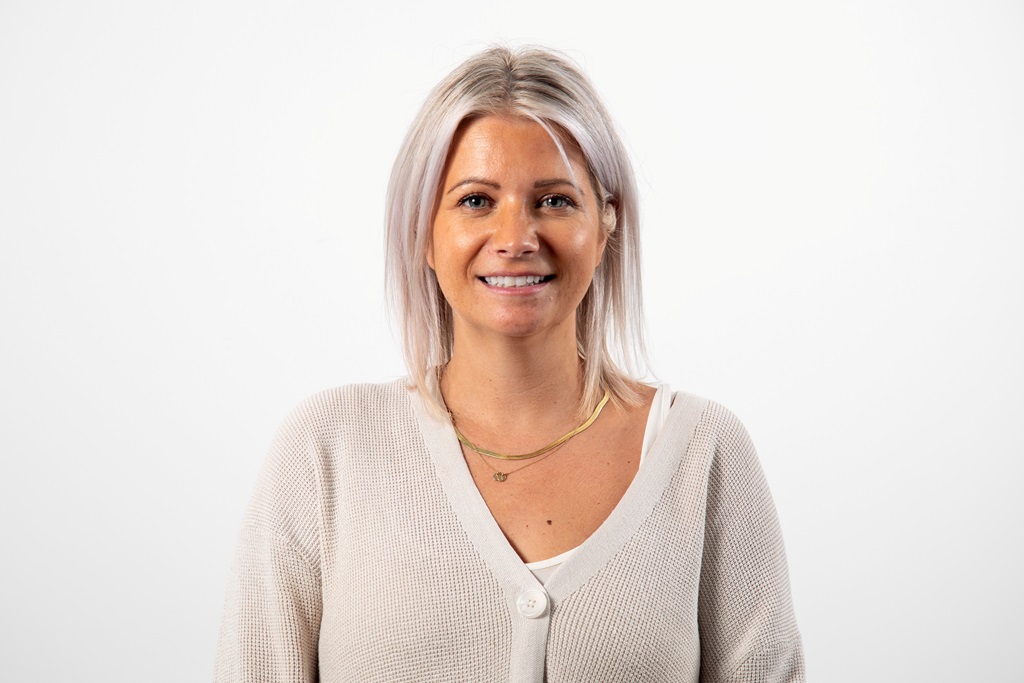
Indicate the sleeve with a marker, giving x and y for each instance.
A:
(748, 629)
(271, 620)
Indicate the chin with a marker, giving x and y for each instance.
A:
(522, 329)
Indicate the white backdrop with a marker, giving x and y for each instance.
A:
(191, 201)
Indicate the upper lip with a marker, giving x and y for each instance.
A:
(508, 274)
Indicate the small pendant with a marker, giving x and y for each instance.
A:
(500, 476)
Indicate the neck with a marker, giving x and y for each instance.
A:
(514, 382)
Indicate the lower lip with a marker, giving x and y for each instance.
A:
(516, 291)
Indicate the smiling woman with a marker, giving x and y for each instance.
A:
(521, 508)
(515, 242)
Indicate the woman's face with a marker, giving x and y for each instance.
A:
(515, 239)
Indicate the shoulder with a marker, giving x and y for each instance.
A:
(355, 397)
(331, 422)
(711, 433)
(320, 430)
(332, 409)
(720, 447)
(707, 416)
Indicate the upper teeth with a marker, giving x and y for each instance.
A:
(517, 281)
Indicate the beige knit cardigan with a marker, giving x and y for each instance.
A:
(367, 554)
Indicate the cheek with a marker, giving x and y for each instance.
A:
(438, 248)
(587, 247)
(454, 249)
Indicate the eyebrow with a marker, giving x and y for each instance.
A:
(477, 181)
(557, 181)
(549, 182)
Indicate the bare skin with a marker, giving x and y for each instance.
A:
(554, 505)
(508, 207)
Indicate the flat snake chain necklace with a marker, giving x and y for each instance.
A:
(502, 476)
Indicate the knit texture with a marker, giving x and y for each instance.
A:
(366, 554)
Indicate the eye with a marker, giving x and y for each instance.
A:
(557, 201)
(474, 201)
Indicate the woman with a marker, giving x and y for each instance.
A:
(520, 509)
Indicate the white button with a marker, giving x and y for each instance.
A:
(532, 603)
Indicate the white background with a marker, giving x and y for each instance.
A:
(191, 202)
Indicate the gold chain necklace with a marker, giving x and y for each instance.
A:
(502, 476)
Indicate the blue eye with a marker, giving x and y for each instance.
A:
(474, 201)
(557, 201)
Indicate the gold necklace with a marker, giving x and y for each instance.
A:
(541, 451)
(500, 476)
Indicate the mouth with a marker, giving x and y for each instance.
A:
(511, 281)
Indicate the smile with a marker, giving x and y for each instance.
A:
(515, 281)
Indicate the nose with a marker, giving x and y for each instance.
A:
(515, 231)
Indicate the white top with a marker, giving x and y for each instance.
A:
(545, 569)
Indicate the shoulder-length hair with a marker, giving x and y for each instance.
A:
(546, 87)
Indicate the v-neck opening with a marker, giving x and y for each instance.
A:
(588, 557)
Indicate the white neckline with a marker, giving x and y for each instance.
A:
(551, 561)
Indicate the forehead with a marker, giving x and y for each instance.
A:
(501, 144)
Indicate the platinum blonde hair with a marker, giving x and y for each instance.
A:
(546, 87)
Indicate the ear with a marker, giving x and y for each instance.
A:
(430, 253)
(609, 215)
(607, 221)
